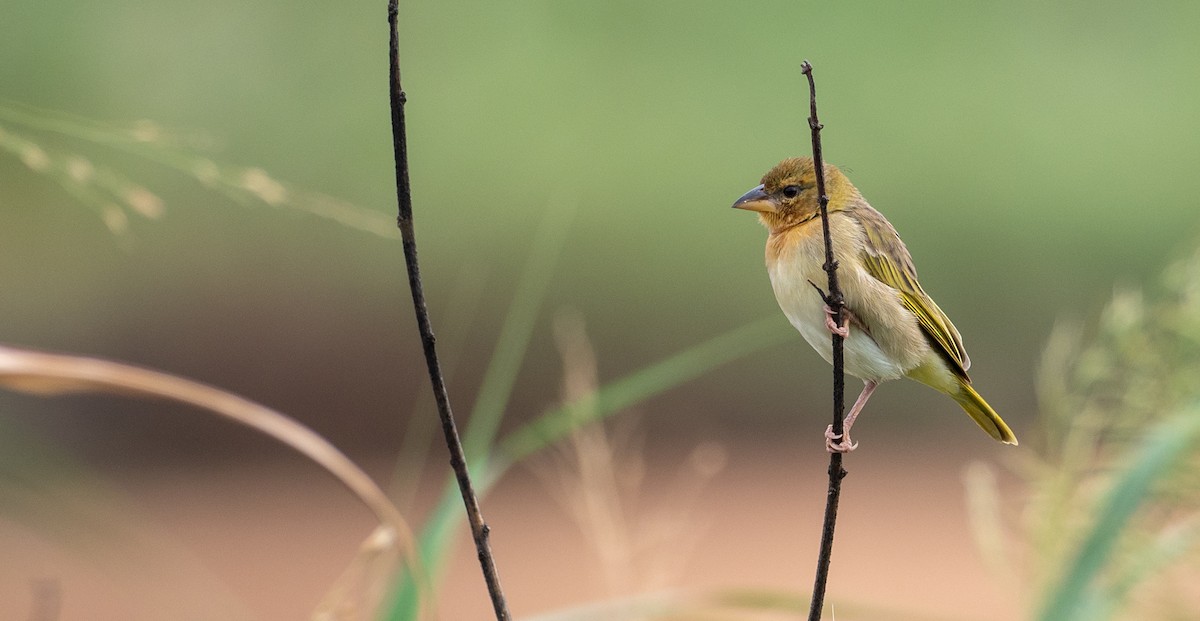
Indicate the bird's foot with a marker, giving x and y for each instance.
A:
(842, 330)
(838, 443)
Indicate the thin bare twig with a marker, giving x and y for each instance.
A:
(836, 304)
(479, 529)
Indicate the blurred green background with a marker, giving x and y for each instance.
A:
(1032, 155)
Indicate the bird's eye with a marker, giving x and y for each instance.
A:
(792, 191)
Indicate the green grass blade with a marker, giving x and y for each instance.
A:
(433, 546)
(501, 373)
(1163, 446)
(1169, 547)
(435, 538)
(654, 379)
(423, 424)
(497, 385)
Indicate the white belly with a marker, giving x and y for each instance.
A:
(805, 309)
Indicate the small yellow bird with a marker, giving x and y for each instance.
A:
(898, 330)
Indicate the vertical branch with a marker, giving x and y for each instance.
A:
(836, 304)
(479, 529)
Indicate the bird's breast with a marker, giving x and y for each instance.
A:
(794, 262)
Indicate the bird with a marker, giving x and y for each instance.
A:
(891, 327)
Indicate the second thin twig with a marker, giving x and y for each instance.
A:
(479, 529)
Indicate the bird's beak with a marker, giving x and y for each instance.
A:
(755, 200)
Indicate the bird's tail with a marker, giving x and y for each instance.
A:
(983, 414)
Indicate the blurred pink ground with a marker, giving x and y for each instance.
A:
(266, 542)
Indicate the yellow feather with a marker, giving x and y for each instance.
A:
(983, 414)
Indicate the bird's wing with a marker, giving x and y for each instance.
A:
(888, 261)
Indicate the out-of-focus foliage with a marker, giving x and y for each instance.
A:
(1101, 392)
(997, 139)
(1112, 516)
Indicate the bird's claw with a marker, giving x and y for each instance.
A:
(842, 330)
(838, 442)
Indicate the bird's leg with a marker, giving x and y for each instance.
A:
(842, 444)
(842, 330)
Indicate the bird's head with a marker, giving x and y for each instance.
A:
(788, 194)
